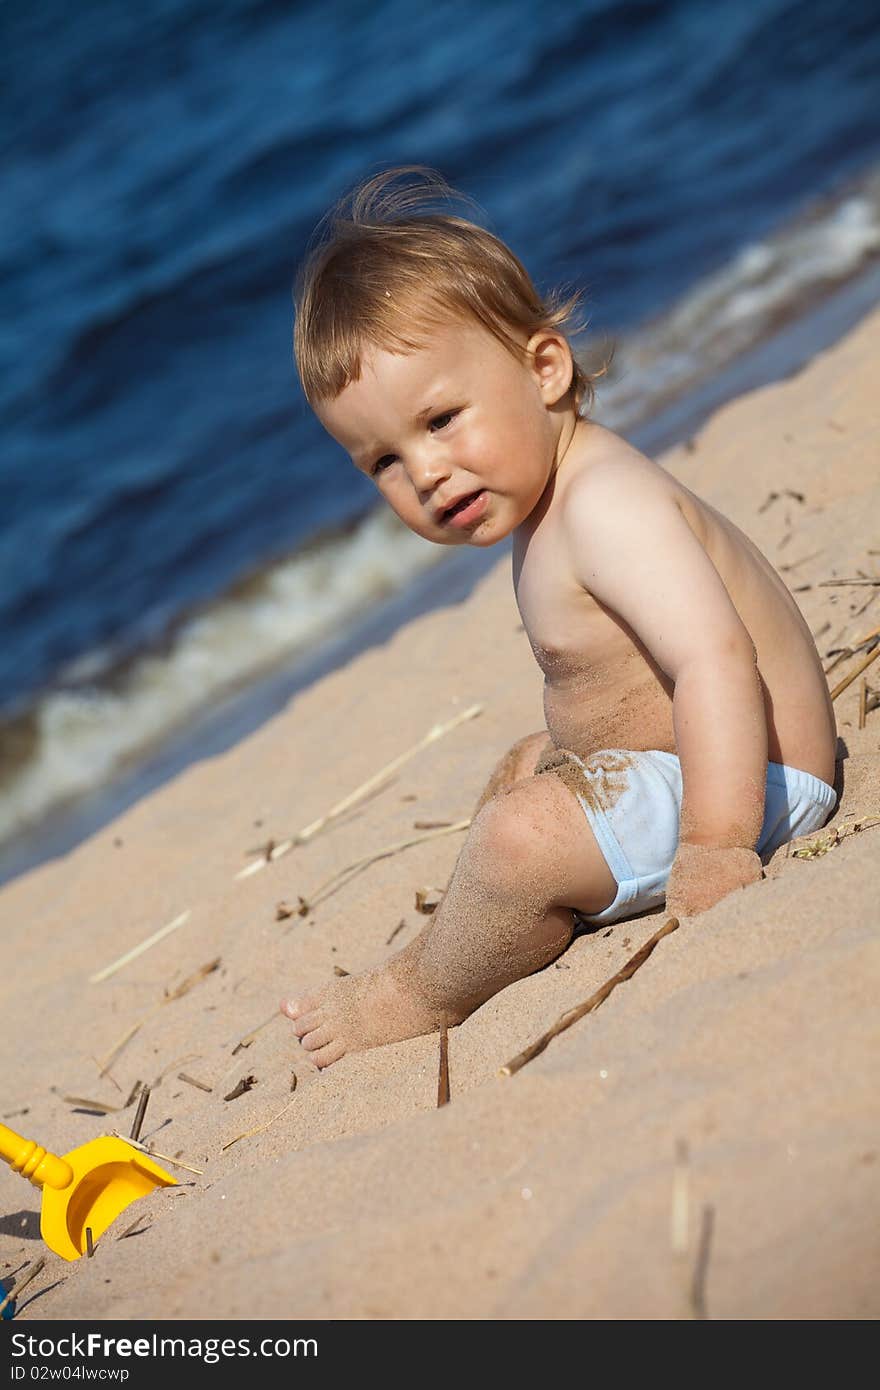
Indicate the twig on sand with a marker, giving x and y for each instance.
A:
(701, 1266)
(862, 666)
(177, 993)
(443, 1078)
(251, 1036)
(135, 1228)
(22, 1282)
(335, 881)
(308, 832)
(863, 702)
(154, 1153)
(194, 1081)
(138, 1121)
(246, 1083)
(258, 1129)
(572, 1015)
(401, 924)
(845, 583)
(138, 950)
(101, 1106)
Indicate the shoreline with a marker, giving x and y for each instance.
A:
(219, 727)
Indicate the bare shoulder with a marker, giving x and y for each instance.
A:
(609, 479)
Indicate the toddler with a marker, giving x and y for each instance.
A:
(689, 728)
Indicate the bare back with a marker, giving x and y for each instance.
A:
(603, 686)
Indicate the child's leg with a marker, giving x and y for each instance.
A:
(528, 860)
(518, 762)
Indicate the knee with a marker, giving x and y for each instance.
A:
(514, 831)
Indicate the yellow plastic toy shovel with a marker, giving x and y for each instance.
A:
(87, 1188)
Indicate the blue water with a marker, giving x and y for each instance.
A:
(164, 165)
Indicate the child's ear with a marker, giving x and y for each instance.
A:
(551, 363)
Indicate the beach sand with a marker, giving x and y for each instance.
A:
(704, 1144)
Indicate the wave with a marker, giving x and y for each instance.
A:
(769, 284)
(101, 719)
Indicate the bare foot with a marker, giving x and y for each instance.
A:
(529, 858)
(360, 1011)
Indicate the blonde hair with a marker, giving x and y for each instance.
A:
(385, 265)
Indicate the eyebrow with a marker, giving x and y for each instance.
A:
(377, 451)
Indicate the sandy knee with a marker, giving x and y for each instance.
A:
(522, 829)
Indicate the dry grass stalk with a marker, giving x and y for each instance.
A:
(250, 1037)
(863, 641)
(135, 1228)
(595, 999)
(90, 1246)
(177, 993)
(154, 1153)
(139, 950)
(373, 783)
(701, 1266)
(23, 1282)
(258, 1128)
(845, 583)
(863, 665)
(336, 881)
(860, 644)
(814, 849)
(863, 702)
(193, 1081)
(401, 924)
(100, 1106)
(443, 1078)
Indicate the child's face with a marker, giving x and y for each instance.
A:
(459, 437)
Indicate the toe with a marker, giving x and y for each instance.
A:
(328, 1054)
(319, 1035)
(296, 1008)
(308, 1023)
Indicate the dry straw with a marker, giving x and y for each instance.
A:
(138, 950)
(443, 1076)
(177, 993)
(602, 993)
(274, 851)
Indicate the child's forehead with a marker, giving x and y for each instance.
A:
(455, 348)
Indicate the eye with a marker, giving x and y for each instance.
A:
(381, 464)
(439, 422)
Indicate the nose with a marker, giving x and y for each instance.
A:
(428, 466)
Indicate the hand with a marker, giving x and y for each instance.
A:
(703, 874)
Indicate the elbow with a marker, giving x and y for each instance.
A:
(730, 651)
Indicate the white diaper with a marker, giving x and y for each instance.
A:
(632, 802)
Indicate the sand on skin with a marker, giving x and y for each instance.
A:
(746, 1042)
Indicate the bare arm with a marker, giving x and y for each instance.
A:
(635, 553)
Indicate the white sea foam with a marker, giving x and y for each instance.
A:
(764, 286)
(86, 733)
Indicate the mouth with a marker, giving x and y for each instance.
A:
(466, 511)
